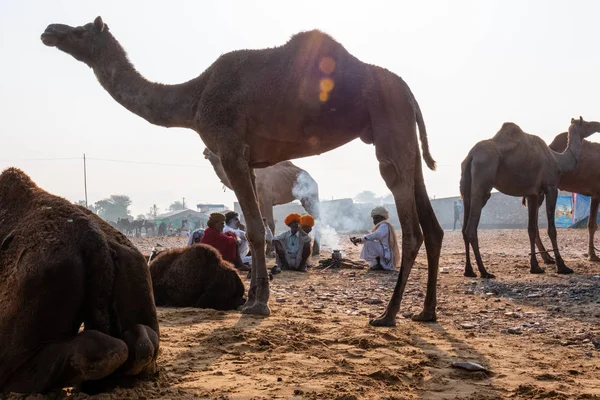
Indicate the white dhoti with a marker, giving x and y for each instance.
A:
(243, 246)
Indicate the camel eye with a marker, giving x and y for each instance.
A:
(79, 32)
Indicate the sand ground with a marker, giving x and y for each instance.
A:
(538, 335)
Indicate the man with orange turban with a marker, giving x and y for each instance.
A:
(292, 248)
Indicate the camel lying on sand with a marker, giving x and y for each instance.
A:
(195, 276)
(517, 164)
(278, 184)
(255, 108)
(61, 266)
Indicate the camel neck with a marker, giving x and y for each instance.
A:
(159, 104)
(569, 158)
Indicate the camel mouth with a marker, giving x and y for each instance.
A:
(50, 39)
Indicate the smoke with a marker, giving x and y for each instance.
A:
(332, 217)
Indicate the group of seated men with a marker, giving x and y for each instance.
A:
(292, 247)
(226, 233)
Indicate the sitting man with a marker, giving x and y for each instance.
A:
(232, 224)
(292, 248)
(226, 244)
(195, 236)
(380, 248)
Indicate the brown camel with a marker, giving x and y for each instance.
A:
(195, 276)
(584, 179)
(255, 108)
(61, 266)
(281, 183)
(517, 164)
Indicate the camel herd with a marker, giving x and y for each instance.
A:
(61, 266)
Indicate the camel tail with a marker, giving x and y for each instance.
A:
(422, 132)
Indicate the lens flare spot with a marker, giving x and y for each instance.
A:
(323, 96)
(327, 65)
(326, 85)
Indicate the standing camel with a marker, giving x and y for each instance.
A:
(517, 164)
(281, 183)
(584, 179)
(255, 108)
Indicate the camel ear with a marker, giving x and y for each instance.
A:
(572, 120)
(580, 120)
(99, 24)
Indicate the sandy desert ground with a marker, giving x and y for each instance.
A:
(538, 335)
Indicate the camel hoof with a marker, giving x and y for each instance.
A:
(425, 317)
(383, 321)
(564, 270)
(488, 276)
(594, 258)
(470, 274)
(537, 270)
(257, 309)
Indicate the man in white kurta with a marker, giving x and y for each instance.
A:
(232, 224)
(380, 247)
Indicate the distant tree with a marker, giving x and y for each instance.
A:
(89, 207)
(113, 208)
(154, 210)
(176, 205)
(388, 199)
(366, 196)
(140, 217)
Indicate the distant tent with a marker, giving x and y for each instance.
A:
(581, 211)
(563, 214)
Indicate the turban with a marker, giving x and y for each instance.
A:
(381, 211)
(293, 217)
(307, 220)
(214, 219)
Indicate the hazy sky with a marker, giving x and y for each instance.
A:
(471, 64)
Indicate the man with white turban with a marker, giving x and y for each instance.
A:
(380, 247)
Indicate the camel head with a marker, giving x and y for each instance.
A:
(86, 43)
(583, 128)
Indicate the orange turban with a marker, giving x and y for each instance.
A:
(307, 220)
(293, 217)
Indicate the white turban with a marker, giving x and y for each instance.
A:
(381, 211)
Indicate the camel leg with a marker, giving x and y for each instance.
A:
(478, 201)
(469, 272)
(395, 150)
(533, 232)
(90, 355)
(434, 235)
(240, 175)
(592, 227)
(551, 196)
(538, 240)
(142, 343)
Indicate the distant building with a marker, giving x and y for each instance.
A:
(177, 219)
(209, 208)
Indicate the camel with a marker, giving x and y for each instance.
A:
(281, 183)
(61, 266)
(584, 179)
(255, 108)
(195, 276)
(517, 164)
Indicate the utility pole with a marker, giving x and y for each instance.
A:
(183, 203)
(85, 180)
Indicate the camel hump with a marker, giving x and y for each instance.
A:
(509, 130)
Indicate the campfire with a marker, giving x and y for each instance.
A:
(337, 260)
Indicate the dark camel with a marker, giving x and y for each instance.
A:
(61, 266)
(585, 179)
(517, 164)
(255, 108)
(195, 276)
(281, 183)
